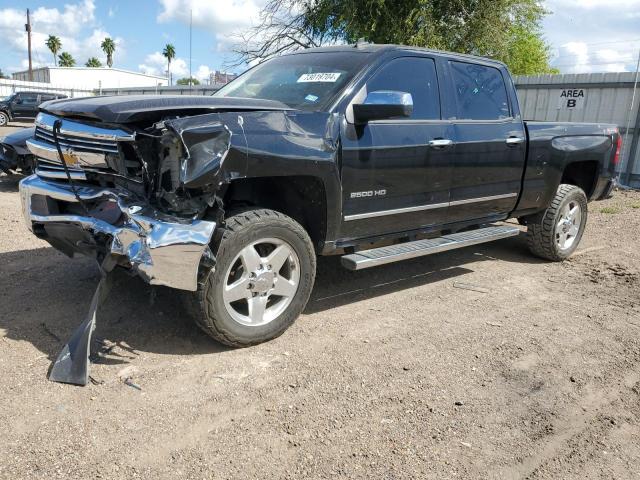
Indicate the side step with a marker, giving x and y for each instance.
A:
(419, 248)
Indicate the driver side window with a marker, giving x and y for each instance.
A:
(28, 98)
(414, 75)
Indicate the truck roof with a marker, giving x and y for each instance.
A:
(378, 48)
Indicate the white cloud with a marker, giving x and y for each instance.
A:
(593, 35)
(581, 57)
(75, 25)
(222, 20)
(156, 64)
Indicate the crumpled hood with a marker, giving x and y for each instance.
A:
(134, 108)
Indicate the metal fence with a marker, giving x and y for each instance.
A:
(162, 90)
(9, 87)
(590, 97)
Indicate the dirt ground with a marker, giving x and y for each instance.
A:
(391, 373)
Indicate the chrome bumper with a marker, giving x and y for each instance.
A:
(162, 249)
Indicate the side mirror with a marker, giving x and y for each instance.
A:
(18, 101)
(383, 105)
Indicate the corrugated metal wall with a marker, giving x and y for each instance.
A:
(588, 97)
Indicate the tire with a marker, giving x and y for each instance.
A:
(555, 233)
(234, 322)
(4, 119)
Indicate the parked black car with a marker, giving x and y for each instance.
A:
(376, 153)
(14, 154)
(24, 105)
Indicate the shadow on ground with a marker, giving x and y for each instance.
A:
(9, 183)
(45, 296)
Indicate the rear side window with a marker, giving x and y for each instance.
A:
(480, 92)
(46, 98)
(414, 75)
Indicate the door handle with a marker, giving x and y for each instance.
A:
(513, 141)
(440, 142)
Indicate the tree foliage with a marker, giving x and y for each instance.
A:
(507, 30)
(187, 81)
(93, 62)
(169, 53)
(66, 60)
(2, 75)
(108, 47)
(54, 44)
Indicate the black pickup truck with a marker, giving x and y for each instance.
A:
(24, 105)
(377, 153)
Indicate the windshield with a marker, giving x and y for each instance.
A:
(308, 81)
(7, 99)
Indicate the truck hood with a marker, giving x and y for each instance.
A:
(135, 108)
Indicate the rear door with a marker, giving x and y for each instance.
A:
(490, 143)
(393, 179)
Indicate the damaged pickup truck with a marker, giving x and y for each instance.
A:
(376, 153)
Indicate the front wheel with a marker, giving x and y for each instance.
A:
(555, 233)
(264, 273)
(4, 119)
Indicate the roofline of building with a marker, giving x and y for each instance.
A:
(92, 68)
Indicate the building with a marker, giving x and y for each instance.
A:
(91, 78)
(221, 78)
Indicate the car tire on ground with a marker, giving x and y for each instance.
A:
(263, 277)
(4, 119)
(555, 233)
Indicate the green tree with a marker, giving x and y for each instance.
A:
(93, 62)
(507, 30)
(169, 53)
(66, 60)
(108, 47)
(54, 45)
(2, 75)
(187, 81)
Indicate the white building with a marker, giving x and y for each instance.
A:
(91, 78)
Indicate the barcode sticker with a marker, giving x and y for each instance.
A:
(319, 77)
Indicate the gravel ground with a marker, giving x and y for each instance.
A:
(392, 373)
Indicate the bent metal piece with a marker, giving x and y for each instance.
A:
(72, 364)
(162, 249)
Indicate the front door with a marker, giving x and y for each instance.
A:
(395, 173)
(490, 145)
(26, 105)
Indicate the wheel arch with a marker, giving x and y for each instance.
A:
(301, 197)
(583, 174)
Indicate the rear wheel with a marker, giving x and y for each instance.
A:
(555, 233)
(264, 273)
(4, 119)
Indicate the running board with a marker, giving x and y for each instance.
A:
(419, 248)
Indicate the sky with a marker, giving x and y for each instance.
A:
(585, 35)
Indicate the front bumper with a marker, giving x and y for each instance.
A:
(162, 249)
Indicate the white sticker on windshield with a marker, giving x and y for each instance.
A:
(319, 77)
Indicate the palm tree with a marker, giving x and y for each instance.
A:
(93, 62)
(55, 45)
(66, 60)
(108, 47)
(170, 53)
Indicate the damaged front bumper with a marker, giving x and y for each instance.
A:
(162, 249)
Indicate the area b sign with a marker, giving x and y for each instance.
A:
(572, 98)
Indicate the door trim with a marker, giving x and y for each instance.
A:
(431, 206)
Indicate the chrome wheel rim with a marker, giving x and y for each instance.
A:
(261, 282)
(3, 119)
(568, 225)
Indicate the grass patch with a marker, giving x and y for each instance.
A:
(635, 205)
(610, 210)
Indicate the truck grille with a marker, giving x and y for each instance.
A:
(85, 147)
(79, 144)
